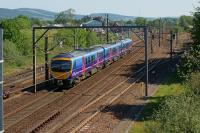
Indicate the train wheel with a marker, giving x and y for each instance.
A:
(83, 77)
(77, 81)
(93, 71)
(87, 74)
(53, 82)
(65, 82)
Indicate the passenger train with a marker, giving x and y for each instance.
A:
(72, 67)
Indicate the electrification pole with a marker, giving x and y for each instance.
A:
(34, 61)
(162, 28)
(159, 30)
(107, 38)
(1, 80)
(146, 60)
(75, 46)
(177, 37)
(128, 33)
(46, 59)
(171, 44)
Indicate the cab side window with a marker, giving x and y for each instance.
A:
(86, 60)
(89, 60)
(74, 65)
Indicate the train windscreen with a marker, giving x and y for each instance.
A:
(61, 66)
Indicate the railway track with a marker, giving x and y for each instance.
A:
(116, 116)
(65, 110)
(36, 98)
(93, 108)
(134, 78)
(126, 108)
(88, 112)
(54, 113)
(74, 93)
(16, 83)
(90, 97)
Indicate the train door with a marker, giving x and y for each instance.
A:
(110, 51)
(83, 65)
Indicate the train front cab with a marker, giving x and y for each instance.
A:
(61, 70)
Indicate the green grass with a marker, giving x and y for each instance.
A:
(171, 86)
(26, 62)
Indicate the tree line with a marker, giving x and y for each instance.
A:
(18, 38)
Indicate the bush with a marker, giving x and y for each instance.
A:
(191, 61)
(179, 114)
(187, 66)
(193, 84)
(11, 54)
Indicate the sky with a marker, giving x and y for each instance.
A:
(144, 8)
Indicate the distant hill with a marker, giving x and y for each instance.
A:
(32, 13)
(49, 15)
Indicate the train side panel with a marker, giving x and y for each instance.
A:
(77, 67)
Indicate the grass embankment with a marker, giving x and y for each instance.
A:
(170, 87)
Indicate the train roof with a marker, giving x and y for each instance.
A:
(81, 52)
(77, 53)
(73, 54)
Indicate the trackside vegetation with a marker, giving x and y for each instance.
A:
(175, 108)
(191, 59)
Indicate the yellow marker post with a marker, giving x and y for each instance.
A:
(142, 88)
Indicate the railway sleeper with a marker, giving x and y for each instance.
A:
(51, 118)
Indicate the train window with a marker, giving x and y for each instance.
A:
(89, 59)
(93, 58)
(100, 54)
(106, 53)
(74, 66)
(114, 50)
(86, 61)
(61, 66)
